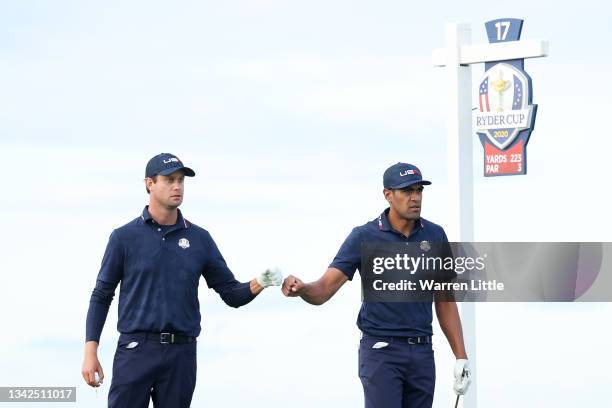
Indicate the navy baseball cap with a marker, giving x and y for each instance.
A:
(164, 164)
(402, 175)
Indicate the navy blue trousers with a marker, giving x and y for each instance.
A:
(399, 375)
(164, 373)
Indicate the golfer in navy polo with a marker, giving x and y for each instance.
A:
(396, 360)
(158, 258)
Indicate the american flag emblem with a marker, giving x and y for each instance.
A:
(484, 95)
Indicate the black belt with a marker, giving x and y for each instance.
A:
(168, 338)
(404, 339)
(414, 340)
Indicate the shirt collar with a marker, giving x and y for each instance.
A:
(180, 221)
(384, 225)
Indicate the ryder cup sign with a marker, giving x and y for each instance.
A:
(505, 116)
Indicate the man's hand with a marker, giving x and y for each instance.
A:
(270, 277)
(462, 377)
(91, 366)
(292, 286)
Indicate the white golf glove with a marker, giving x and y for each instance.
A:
(270, 277)
(462, 377)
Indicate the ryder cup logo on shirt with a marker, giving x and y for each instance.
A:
(425, 246)
(183, 243)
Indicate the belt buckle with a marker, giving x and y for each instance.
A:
(165, 335)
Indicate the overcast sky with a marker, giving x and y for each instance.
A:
(289, 112)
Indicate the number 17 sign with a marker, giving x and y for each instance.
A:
(505, 116)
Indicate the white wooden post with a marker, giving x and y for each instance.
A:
(461, 181)
(456, 57)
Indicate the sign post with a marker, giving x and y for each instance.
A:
(456, 58)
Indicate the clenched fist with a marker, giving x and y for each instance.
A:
(292, 286)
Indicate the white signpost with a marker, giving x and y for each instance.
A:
(457, 57)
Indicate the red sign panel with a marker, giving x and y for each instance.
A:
(504, 162)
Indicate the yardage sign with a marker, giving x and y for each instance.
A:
(505, 115)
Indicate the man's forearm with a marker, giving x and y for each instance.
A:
(314, 293)
(96, 317)
(237, 294)
(448, 317)
(100, 301)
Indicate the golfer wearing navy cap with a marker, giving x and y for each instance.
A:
(396, 361)
(158, 258)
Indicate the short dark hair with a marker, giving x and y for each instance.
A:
(154, 178)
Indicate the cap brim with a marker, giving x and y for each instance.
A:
(186, 170)
(410, 183)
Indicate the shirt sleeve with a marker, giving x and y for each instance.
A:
(446, 252)
(348, 259)
(111, 272)
(220, 278)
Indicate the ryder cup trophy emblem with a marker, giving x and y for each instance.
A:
(503, 108)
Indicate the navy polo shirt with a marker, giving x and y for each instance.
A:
(388, 318)
(159, 269)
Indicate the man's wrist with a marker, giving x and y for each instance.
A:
(255, 287)
(91, 347)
